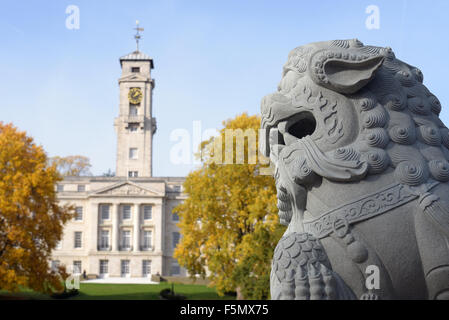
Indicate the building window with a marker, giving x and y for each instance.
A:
(133, 153)
(78, 241)
(132, 174)
(175, 269)
(59, 245)
(76, 267)
(133, 110)
(104, 239)
(177, 189)
(81, 188)
(175, 238)
(147, 212)
(175, 216)
(104, 267)
(55, 265)
(135, 69)
(79, 213)
(126, 215)
(124, 268)
(133, 127)
(147, 236)
(105, 209)
(146, 268)
(126, 239)
(60, 188)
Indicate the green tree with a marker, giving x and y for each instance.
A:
(31, 222)
(109, 173)
(229, 222)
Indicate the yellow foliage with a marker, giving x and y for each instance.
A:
(31, 222)
(72, 165)
(229, 220)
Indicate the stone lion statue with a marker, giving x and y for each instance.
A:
(360, 163)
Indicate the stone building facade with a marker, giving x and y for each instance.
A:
(124, 225)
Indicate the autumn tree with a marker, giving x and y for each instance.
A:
(31, 222)
(229, 221)
(72, 165)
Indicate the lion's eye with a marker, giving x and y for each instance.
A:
(302, 125)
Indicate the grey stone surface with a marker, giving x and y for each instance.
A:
(361, 169)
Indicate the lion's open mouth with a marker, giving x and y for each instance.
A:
(301, 125)
(296, 127)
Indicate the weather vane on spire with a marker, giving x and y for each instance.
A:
(137, 36)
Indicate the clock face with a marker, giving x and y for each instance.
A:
(135, 95)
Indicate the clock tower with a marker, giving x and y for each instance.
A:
(135, 124)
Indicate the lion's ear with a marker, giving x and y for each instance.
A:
(347, 76)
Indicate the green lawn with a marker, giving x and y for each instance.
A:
(97, 291)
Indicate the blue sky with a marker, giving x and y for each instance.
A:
(213, 60)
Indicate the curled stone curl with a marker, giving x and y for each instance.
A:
(418, 106)
(411, 173)
(435, 104)
(439, 170)
(430, 135)
(403, 134)
(346, 154)
(445, 137)
(375, 118)
(406, 78)
(377, 137)
(367, 104)
(395, 102)
(377, 159)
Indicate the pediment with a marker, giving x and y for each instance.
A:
(134, 77)
(126, 189)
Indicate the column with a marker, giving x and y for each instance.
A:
(92, 217)
(136, 227)
(161, 229)
(115, 226)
